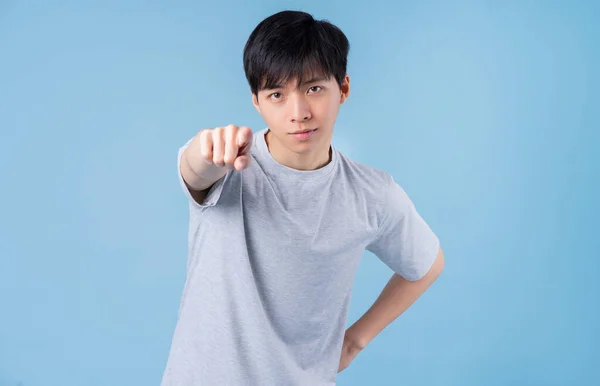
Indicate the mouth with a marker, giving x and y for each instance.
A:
(303, 131)
(303, 134)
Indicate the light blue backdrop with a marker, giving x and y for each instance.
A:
(486, 113)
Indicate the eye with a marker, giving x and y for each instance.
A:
(315, 87)
(275, 95)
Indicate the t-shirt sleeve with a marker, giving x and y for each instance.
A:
(404, 242)
(215, 191)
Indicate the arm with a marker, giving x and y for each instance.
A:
(407, 245)
(396, 297)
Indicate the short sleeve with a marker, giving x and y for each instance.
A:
(404, 242)
(215, 191)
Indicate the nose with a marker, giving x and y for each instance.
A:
(300, 110)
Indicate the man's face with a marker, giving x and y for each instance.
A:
(312, 105)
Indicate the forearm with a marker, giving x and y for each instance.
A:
(396, 297)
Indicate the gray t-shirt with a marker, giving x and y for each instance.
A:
(273, 252)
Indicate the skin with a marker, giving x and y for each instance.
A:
(287, 109)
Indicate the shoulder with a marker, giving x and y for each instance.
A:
(362, 175)
(364, 183)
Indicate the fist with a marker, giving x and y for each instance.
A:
(226, 147)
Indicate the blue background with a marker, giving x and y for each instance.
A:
(486, 113)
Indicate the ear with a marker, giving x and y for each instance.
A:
(345, 89)
(255, 102)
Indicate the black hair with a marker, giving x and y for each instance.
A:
(293, 45)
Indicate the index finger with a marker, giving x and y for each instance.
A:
(244, 139)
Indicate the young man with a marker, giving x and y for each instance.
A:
(279, 220)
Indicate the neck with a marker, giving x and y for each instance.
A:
(316, 159)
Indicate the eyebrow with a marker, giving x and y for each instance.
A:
(311, 80)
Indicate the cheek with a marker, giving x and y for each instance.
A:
(330, 110)
(270, 114)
